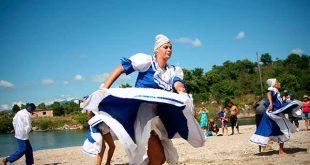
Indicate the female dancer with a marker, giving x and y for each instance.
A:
(274, 126)
(158, 109)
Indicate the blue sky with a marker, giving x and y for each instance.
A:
(63, 49)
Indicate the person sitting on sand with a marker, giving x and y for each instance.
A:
(213, 127)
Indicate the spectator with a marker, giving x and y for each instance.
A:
(203, 119)
(259, 106)
(233, 117)
(22, 126)
(213, 127)
(223, 120)
(291, 118)
(286, 96)
(306, 111)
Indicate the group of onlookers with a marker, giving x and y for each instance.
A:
(210, 126)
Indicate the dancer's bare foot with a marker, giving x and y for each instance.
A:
(282, 153)
(4, 161)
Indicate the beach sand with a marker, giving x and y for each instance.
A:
(232, 150)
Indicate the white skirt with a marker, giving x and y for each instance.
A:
(132, 113)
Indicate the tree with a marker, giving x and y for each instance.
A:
(15, 108)
(58, 110)
(125, 86)
(41, 106)
(266, 59)
(70, 107)
(223, 90)
(23, 106)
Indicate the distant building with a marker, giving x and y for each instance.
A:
(43, 113)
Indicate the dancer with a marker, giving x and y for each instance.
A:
(158, 109)
(274, 126)
(98, 135)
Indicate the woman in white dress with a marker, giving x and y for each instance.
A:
(158, 109)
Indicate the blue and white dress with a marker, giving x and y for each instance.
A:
(274, 126)
(132, 113)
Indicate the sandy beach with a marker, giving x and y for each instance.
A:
(235, 149)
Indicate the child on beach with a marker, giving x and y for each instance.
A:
(223, 120)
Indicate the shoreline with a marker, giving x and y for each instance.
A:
(235, 149)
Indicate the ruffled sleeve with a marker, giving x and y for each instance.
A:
(139, 62)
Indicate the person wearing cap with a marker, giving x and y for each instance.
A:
(147, 117)
(292, 118)
(306, 111)
(286, 96)
(274, 126)
(22, 127)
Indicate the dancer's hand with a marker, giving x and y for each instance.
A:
(179, 87)
(270, 108)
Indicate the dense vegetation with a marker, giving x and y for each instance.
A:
(237, 81)
(240, 81)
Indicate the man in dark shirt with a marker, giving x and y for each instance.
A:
(259, 108)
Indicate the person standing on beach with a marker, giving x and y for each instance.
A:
(259, 106)
(223, 120)
(22, 127)
(233, 117)
(306, 111)
(204, 119)
(274, 126)
(292, 118)
(286, 96)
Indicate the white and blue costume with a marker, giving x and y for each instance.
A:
(92, 145)
(132, 113)
(274, 126)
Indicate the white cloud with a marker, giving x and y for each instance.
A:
(194, 42)
(66, 82)
(78, 77)
(298, 51)
(5, 107)
(240, 36)
(100, 77)
(19, 103)
(47, 81)
(60, 99)
(6, 84)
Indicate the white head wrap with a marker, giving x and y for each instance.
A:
(160, 39)
(271, 82)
